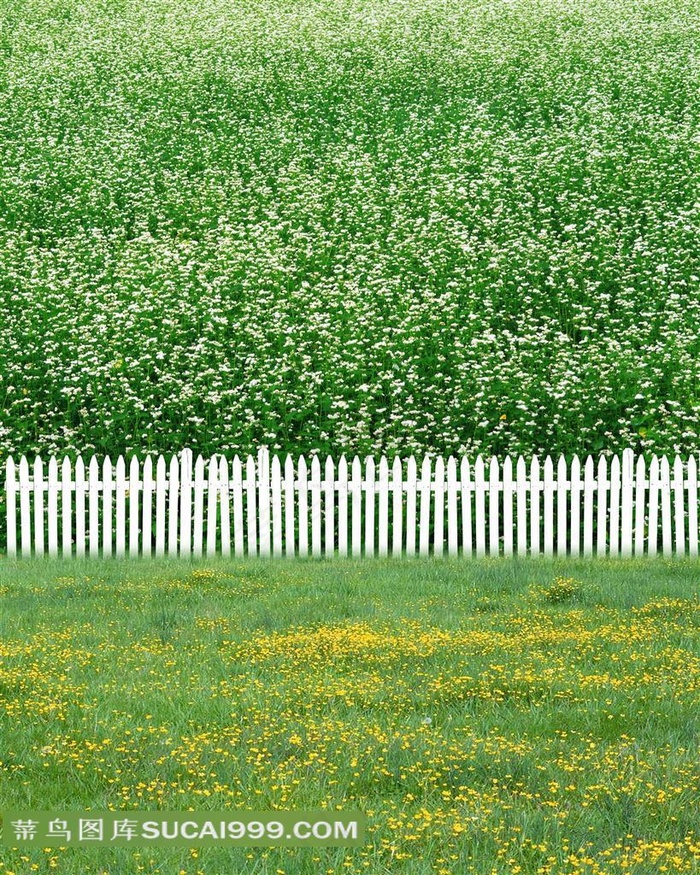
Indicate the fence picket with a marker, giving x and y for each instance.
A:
(52, 506)
(439, 523)
(38, 488)
(161, 496)
(11, 487)
(237, 507)
(678, 505)
(343, 506)
(639, 507)
(303, 497)
(356, 489)
(80, 490)
(480, 507)
(264, 501)
(602, 509)
(198, 514)
(329, 508)
(186, 503)
(251, 492)
(276, 505)
(521, 487)
(397, 508)
(94, 505)
(692, 507)
(133, 492)
(562, 507)
(370, 493)
(615, 483)
(147, 508)
(66, 508)
(107, 495)
(654, 484)
(120, 506)
(173, 504)
(588, 495)
(575, 536)
(548, 502)
(494, 506)
(424, 487)
(383, 510)
(535, 485)
(289, 516)
(225, 499)
(665, 489)
(212, 501)
(316, 521)
(627, 503)
(452, 486)
(508, 507)
(411, 499)
(24, 508)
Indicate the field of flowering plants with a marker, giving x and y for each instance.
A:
(349, 226)
(534, 719)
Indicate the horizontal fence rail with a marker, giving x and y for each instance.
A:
(267, 507)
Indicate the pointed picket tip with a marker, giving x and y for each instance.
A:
(302, 464)
(397, 467)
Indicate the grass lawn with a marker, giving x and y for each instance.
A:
(488, 717)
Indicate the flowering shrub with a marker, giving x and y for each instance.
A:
(399, 227)
(562, 589)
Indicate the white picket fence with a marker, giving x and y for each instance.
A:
(266, 507)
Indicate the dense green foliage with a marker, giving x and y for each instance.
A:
(350, 226)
